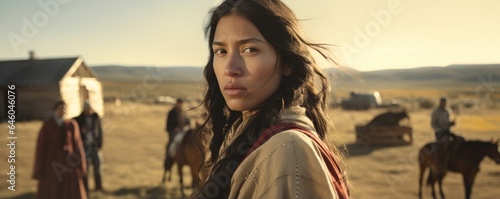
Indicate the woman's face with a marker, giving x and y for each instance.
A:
(61, 110)
(245, 64)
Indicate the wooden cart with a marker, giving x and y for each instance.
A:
(383, 135)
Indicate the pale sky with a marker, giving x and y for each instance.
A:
(370, 34)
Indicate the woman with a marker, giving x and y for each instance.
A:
(264, 108)
(60, 158)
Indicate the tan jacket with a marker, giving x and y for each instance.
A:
(440, 120)
(288, 165)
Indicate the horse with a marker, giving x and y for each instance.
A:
(188, 153)
(388, 119)
(466, 161)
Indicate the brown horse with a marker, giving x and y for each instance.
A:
(466, 161)
(189, 154)
(388, 119)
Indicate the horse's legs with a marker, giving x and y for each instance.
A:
(167, 165)
(468, 182)
(179, 170)
(431, 181)
(167, 170)
(433, 191)
(423, 167)
(440, 182)
(163, 176)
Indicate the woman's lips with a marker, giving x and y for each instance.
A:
(234, 89)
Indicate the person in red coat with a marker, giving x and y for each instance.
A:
(60, 158)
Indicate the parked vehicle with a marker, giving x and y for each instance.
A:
(362, 101)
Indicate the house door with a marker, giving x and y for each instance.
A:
(84, 93)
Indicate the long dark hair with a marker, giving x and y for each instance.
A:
(306, 86)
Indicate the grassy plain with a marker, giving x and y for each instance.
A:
(135, 141)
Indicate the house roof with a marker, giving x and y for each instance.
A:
(37, 71)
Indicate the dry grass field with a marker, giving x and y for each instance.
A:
(135, 141)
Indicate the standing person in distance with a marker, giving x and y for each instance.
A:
(92, 136)
(60, 158)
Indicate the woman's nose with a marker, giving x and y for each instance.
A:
(234, 65)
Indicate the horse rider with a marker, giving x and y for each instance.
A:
(441, 120)
(447, 142)
(176, 122)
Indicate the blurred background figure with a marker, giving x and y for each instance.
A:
(441, 119)
(176, 121)
(92, 136)
(60, 158)
(445, 139)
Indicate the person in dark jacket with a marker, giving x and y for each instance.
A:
(92, 136)
(176, 121)
(176, 118)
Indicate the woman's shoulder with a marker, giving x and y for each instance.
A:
(295, 137)
(288, 156)
(290, 143)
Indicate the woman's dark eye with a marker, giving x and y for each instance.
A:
(249, 50)
(219, 51)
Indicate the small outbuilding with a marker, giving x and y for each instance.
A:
(39, 83)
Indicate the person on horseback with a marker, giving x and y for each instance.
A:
(441, 120)
(175, 124)
(446, 141)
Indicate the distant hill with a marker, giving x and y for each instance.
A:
(450, 76)
(439, 77)
(139, 73)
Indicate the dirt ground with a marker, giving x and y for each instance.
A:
(135, 141)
